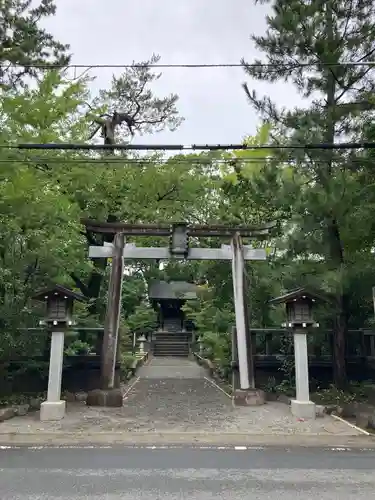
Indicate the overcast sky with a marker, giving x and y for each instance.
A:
(180, 31)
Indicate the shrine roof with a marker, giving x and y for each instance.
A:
(172, 290)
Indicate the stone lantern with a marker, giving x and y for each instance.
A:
(142, 340)
(59, 316)
(299, 305)
(299, 308)
(59, 305)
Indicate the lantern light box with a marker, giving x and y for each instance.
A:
(59, 302)
(299, 305)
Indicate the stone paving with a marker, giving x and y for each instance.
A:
(175, 395)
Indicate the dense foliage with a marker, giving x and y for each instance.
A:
(324, 200)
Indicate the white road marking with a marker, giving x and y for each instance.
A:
(218, 387)
(177, 447)
(130, 388)
(351, 425)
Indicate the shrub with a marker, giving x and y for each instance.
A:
(218, 348)
(126, 363)
(78, 348)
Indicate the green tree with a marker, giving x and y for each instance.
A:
(39, 224)
(24, 43)
(322, 35)
(126, 188)
(129, 192)
(142, 320)
(250, 179)
(131, 93)
(133, 293)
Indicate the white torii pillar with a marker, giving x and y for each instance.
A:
(238, 270)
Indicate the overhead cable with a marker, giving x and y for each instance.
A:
(182, 147)
(48, 67)
(174, 161)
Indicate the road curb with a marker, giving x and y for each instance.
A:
(184, 439)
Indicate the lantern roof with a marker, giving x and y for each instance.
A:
(45, 293)
(298, 293)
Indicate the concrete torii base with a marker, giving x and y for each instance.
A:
(105, 397)
(303, 409)
(249, 397)
(51, 411)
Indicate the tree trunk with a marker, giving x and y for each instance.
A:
(335, 249)
(94, 283)
(341, 317)
(92, 289)
(339, 344)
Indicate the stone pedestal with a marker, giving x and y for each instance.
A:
(249, 397)
(303, 409)
(105, 397)
(52, 410)
(54, 407)
(301, 366)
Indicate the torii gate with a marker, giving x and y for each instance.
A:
(178, 248)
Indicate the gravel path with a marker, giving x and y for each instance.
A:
(174, 395)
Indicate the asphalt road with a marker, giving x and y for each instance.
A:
(186, 473)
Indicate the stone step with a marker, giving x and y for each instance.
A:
(171, 349)
(165, 354)
(171, 334)
(171, 343)
(172, 338)
(171, 355)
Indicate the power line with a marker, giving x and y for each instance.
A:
(182, 147)
(132, 162)
(137, 161)
(166, 162)
(48, 67)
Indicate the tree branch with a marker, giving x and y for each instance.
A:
(30, 271)
(79, 284)
(160, 197)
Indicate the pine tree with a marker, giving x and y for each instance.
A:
(307, 43)
(23, 42)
